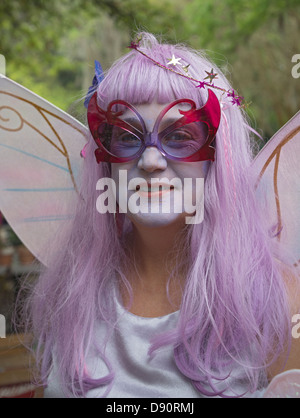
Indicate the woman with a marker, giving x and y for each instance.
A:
(154, 303)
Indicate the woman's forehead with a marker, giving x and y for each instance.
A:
(150, 112)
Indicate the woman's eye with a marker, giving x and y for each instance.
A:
(123, 137)
(179, 136)
(127, 138)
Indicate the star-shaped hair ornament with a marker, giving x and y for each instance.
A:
(135, 43)
(186, 68)
(235, 99)
(201, 85)
(174, 61)
(211, 75)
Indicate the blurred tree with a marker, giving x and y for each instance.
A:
(50, 46)
(47, 45)
(258, 39)
(262, 70)
(37, 26)
(225, 24)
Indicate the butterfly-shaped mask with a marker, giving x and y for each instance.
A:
(122, 136)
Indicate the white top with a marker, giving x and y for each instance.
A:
(136, 374)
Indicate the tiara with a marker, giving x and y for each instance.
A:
(173, 62)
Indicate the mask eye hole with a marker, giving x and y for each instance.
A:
(185, 141)
(119, 141)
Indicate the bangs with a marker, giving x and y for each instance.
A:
(137, 80)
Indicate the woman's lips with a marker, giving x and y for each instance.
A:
(153, 190)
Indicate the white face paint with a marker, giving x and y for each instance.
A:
(181, 183)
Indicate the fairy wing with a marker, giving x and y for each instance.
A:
(277, 170)
(284, 385)
(40, 163)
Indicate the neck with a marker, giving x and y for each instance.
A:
(155, 253)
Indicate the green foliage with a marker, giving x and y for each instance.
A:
(258, 39)
(50, 47)
(226, 24)
(48, 44)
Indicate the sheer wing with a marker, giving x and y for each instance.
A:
(284, 385)
(40, 163)
(277, 170)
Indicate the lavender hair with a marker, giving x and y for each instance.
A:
(234, 311)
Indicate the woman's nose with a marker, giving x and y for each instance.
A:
(151, 160)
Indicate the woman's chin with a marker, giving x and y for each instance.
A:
(157, 220)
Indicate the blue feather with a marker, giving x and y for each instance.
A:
(98, 78)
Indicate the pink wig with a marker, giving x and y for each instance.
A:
(234, 311)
